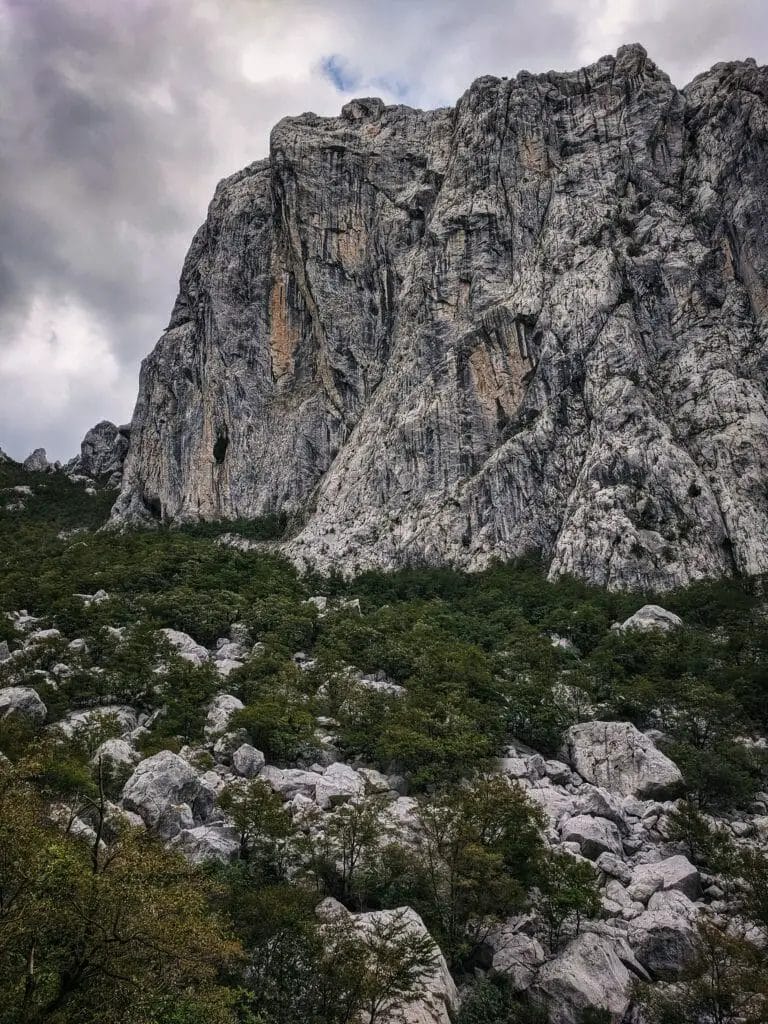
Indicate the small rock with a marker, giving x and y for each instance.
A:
(247, 761)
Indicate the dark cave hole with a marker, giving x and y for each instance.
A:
(220, 448)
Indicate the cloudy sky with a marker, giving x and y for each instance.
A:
(118, 117)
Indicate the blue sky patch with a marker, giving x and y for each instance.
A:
(340, 72)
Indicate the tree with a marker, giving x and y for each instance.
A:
(566, 894)
(267, 835)
(99, 940)
(481, 843)
(351, 840)
(726, 983)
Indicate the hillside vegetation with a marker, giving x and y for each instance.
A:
(112, 925)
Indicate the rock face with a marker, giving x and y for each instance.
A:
(37, 462)
(534, 322)
(102, 453)
(617, 756)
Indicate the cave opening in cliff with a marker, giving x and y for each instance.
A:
(220, 447)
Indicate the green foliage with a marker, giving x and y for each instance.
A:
(566, 894)
(493, 1001)
(104, 941)
(726, 983)
(481, 845)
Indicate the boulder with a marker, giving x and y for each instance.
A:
(616, 756)
(594, 835)
(186, 647)
(22, 702)
(338, 784)
(222, 708)
(102, 452)
(615, 867)
(516, 955)
(37, 462)
(118, 752)
(207, 843)
(168, 794)
(5, 653)
(122, 715)
(247, 761)
(553, 802)
(674, 873)
(600, 803)
(650, 617)
(224, 666)
(590, 973)
(290, 781)
(664, 937)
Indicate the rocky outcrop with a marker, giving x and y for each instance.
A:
(533, 322)
(102, 453)
(37, 462)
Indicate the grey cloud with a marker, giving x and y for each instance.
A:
(117, 119)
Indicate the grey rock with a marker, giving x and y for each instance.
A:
(37, 462)
(102, 453)
(5, 653)
(672, 873)
(623, 760)
(516, 955)
(663, 937)
(223, 707)
(594, 835)
(119, 752)
(206, 843)
(589, 973)
(290, 781)
(168, 794)
(468, 333)
(123, 716)
(615, 867)
(22, 702)
(338, 784)
(247, 761)
(652, 617)
(187, 648)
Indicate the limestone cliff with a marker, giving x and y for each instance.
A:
(535, 321)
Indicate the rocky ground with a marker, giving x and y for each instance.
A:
(606, 799)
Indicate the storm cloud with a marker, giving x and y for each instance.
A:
(118, 117)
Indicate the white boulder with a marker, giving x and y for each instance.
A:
(673, 873)
(594, 835)
(186, 647)
(623, 760)
(247, 761)
(168, 794)
(664, 937)
(338, 784)
(222, 708)
(22, 702)
(206, 843)
(591, 972)
(652, 616)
